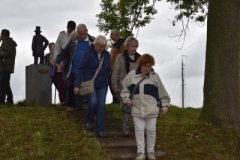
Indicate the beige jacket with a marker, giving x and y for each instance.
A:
(150, 91)
(119, 72)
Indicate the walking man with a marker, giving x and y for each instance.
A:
(117, 48)
(73, 52)
(7, 62)
(61, 43)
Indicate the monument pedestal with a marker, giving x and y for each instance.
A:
(39, 84)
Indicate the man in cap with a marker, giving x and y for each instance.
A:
(39, 44)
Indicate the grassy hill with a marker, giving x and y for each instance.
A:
(47, 133)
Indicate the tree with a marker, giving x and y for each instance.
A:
(189, 10)
(125, 15)
(222, 77)
(221, 104)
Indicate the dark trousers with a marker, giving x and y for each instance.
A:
(55, 81)
(74, 100)
(5, 89)
(65, 81)
(114, 98)
(41, 60)
(60, 87)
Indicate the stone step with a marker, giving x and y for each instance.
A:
(130, 153)
(117, 146)
(126, 153)
(109, 131)
(118, 142)
(109, 122)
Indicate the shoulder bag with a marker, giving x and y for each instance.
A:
(128, 109)
(87, 87)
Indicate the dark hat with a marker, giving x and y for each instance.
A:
(38, 29)
(71, 24)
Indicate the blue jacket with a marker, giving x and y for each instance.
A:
(88, 65)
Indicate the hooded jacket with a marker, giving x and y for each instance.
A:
(8, 54)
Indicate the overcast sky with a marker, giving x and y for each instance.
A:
(22, 17)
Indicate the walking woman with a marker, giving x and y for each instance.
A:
(87, 67)
(125, 62)
(145, 103)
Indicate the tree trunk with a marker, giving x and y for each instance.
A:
(221, 105)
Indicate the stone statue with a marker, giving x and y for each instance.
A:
(39, 44)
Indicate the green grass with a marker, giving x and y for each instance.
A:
(45, 133)
(187, 138)
(42, 133)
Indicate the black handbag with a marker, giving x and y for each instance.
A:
(128, 109)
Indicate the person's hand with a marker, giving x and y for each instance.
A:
(76, 90)
(164, 110)
(55, 63)
(116, 90)
(129, 102)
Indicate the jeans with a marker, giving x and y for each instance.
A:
(149, 124)
(96, 106)
(5, 89)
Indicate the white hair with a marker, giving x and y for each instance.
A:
(100, 39)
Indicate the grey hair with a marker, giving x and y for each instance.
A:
(115, 31)
(81, 27)
(131, 41)
(101, 40)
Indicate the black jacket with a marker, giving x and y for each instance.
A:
(69, 51)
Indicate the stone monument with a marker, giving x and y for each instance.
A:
(38, 85)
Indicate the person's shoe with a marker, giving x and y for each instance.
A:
(89, 126)
(126, 134)
(64, 104)
(151, 156)
(140, 156)
(70, 108)
(101, 135)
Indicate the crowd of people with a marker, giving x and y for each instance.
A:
(75, 57)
